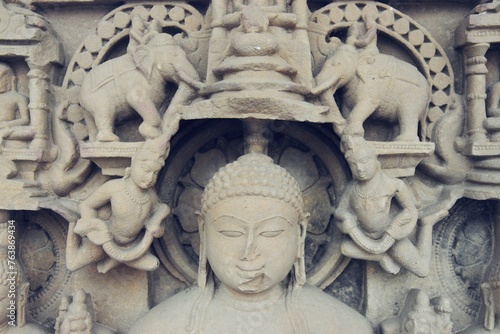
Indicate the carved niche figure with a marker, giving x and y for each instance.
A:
(14, 118)
(420, 315)
(110, 230)
(251, 276)
(13, 290)
(378, 213)
(75, 317)
(112, 90)
(374, 84)
(491, 299)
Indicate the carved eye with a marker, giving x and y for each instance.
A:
(231, 234)
(271, 234)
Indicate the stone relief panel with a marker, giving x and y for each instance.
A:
(263, 155)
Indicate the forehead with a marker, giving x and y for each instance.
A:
(360, 153)
(252, 209)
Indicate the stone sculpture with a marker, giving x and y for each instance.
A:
(420, 315)
(132, 206)
(14, 119)
(76, 318)
(491, 301)
(374, 84)
(112, 90)
(13, 287)
(252, 227)
(365, 213)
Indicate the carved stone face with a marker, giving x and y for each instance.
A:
(363, 163)
(144, 173)
(252, 242)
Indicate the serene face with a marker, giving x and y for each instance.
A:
(363, 164)
(252, 242)
(144, 173)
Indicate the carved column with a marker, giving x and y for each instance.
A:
(38, 106)
(475, 85)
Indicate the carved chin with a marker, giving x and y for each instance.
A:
(254, 284)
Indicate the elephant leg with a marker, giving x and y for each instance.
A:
(361, 111)
(408, 125)
(105, 122)
(338, 121)
(145, 107)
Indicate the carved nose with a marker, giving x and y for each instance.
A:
(250, 252)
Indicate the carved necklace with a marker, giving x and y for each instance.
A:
(139, 201)
(372, 194)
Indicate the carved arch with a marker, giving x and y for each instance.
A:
(116, 25)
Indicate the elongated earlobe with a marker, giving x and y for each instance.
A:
(300, 266)
(489, 316)
(202, 269)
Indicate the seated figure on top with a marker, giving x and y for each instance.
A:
(120, 220)
(251, 275)
(378, 213)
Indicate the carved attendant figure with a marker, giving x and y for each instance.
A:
(491, 300)
(251, 274)
(376, 232)
(134, 206)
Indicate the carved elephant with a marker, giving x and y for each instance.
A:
(114, 89)
(373, 84)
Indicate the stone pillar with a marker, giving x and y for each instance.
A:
(475, 85)
(39, 106)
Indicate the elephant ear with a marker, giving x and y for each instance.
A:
(369, 68)
(143, 60)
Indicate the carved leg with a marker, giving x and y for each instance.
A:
(339, 122)
(147, 262)
(150, 127)
(408, 125)
(417, 259)
(81, 252)
(105, 122)
(106, 265)
(352, 250)
(358, 116)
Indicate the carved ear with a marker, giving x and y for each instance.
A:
(489, 316)
(144, 60)
(300, 266)
(202, 268)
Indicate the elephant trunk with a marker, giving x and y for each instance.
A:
(188, 74)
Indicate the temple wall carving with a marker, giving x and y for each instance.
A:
(250, 166)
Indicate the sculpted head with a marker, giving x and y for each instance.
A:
(252, 226)
(491, 297)
(361, 157)
(145, 165)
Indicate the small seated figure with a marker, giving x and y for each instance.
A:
(13, 305)
(140, 33)
(491, 300)
(251, 276)
(420, 315)
(133, 207)
(14, 118)
(378, 213)
(75, 318)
